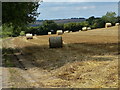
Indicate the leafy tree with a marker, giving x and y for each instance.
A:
(79, 26)
(100, 23)
(49, 25)
(72, 26)
(97, 23)
(33, 30)
(19, 13)
(118, 19)
(60, 26)
(85, 24)
(110, 17)
(90, 20)
(67, 26)
(22, 33)
(7, 31)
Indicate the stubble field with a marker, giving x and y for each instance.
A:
(88, 59)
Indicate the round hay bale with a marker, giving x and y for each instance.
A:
(59, 32)
(29, 36)
(55, 42)
(108, 25)
(66, 31)
(49, 33)
(117, 24)
(89, 28)
(84, 29)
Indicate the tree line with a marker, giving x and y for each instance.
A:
(92, 22)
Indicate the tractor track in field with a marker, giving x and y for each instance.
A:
(24, 70)
(5, 71)
(19, 63)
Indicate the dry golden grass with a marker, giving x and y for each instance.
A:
(88, 59)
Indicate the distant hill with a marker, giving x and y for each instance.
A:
(58, 21)
(69, 20)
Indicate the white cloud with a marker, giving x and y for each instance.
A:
(75, 8)
(81, 0)
(57, 8)
(84, 7)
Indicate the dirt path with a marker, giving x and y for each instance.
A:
(5, 70)
(8, 73)
(5, 77)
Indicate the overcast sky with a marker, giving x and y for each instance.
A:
(63, 10)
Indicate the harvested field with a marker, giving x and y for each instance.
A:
(88, 59)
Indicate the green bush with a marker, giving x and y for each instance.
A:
(7, 31)
(22, 33)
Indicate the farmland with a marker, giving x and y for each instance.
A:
(88, 59)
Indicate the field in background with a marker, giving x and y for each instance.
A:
(88, 59)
